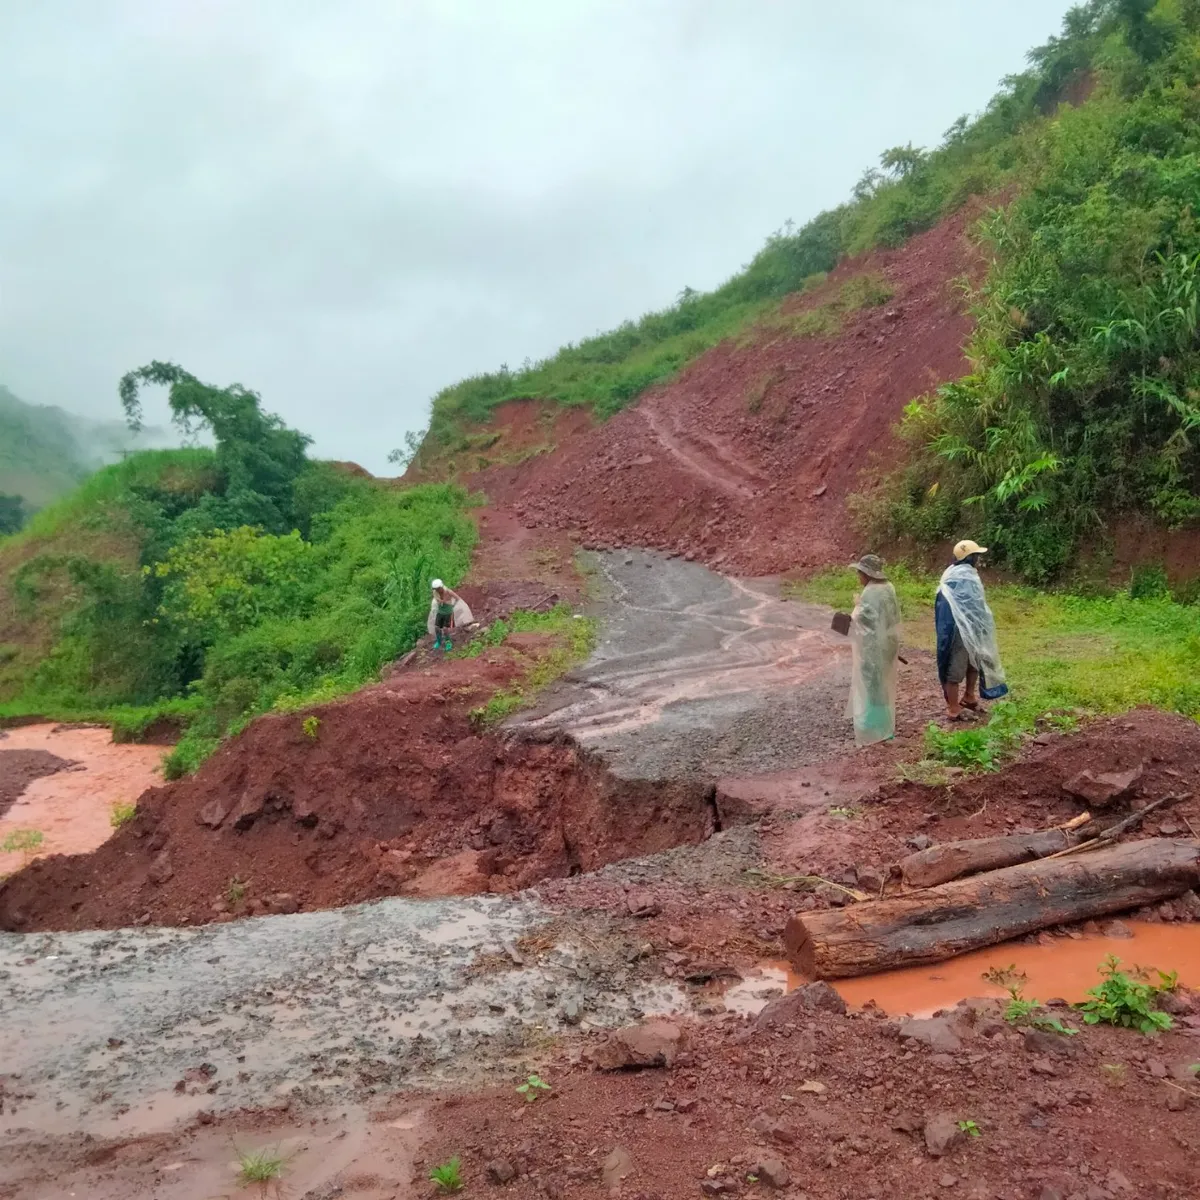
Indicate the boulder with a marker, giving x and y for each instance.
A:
(942, 1134)
(161, 869)
(654, 1044)
(941, 1034)
(1105, 790)
(797, 1005)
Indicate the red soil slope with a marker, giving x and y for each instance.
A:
(746, 460)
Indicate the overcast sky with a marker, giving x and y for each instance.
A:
(348, 204)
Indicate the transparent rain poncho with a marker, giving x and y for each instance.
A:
(462, 615)
(875, 647)
(962, 590)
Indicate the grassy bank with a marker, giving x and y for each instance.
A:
(1065, 655)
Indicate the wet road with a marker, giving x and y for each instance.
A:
(696, 673)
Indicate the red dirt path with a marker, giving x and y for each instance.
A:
(746, 460)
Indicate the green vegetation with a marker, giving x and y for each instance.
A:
(1121, 999)
(1083, 402)
(576, 635)
(1066, 656)
(25, 842)
(122, 813)
(209, 586)
(12, 513)
(235, 892)
(311, 727)
(448, 1177)
(262, 1166)
(970, 1128)
(532, 1088)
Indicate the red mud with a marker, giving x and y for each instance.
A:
(396, 794)
(836, 1106)
(19, 768)
(747, 458)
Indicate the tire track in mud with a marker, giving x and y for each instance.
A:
(712, 461)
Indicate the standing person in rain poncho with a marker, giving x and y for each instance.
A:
(447, 611)
(875, 646)
(966, 635)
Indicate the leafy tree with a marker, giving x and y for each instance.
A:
(902, 161)
(258, 457)
(12, 513)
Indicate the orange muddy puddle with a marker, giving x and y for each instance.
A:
(73, 808)
(1064, 970)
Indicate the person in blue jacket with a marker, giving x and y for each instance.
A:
(967, 650)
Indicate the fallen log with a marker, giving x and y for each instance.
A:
(952, 860)
(942, 922)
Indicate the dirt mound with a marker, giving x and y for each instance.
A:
(746, 460)
(393, 791)
(19, 768)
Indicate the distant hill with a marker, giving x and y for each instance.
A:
(45, 452)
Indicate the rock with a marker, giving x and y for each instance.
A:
(773, 1129)
(571, 1011)
(1042, 1066)
(797, 1005)
(1095, 1192)
(871, 879)
(1177, 1101)
(907, 1123)
(500, 1170)
(1041, 1042)
(284, 902)
(1117, 929)
(773, 1173)
(686, 1105)
(615, 1168)
(942, 1134)
(654, 1044)
(160, 869)
(948, 1180)
(920, 841)
(835, 896)
(677, 936)
(1117, 1182)
(641, 903)
(1051, 1193)
(1103, 791)
(940, 1033)
(214, 812)
(248, 810)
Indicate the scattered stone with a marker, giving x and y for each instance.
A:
(907, 1123)
(939, 1033)
(1042, 1043)
(1177, 1101)
(920, 841)
(948, 1180)
(284, 902)
(1042, 1066)
(773, 1129)
(500, 1170)
(773, 1173)
(942, 1134)
(160, 869)
(813, 1086)
(571, 1010)
(654, 1044)
(642, 904)
(686, 1105)
(800, 1003)
(677, 936)
(871, 879)
(615, 1168)
(1103, 791)
(1117, 929)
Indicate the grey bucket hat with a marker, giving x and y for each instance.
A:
(870, 565)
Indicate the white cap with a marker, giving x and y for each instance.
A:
(437, 583)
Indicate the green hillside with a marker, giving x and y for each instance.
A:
(1085, 399)
(39, 456)
(209, 586)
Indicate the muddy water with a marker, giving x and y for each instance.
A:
(1064, 970)
(73, 808)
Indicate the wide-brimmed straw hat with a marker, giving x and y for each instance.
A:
(870, 565)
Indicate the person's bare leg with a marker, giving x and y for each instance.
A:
(953, 708)
(971, 697)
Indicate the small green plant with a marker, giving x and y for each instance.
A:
(970, 1128)
(235, 892)
(846, 812)
(1122, 999)
(532, 1088)
(24, 842)
(1053, 1025)
(969, 749)
(311, 727)
(448, 1177)
(1020, 1010)
(122, 813)
(262, 1166)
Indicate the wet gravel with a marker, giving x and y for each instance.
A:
(697, 674)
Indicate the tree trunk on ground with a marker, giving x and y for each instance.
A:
(933, 925)
(952, 860)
